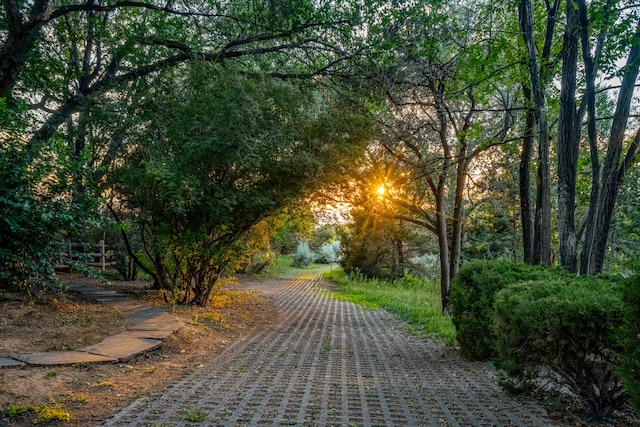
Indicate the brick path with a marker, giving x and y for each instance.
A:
(332, 363)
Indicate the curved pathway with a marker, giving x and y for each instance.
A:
(332, 363)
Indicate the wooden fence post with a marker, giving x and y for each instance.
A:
(103, 255)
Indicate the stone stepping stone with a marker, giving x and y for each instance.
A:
(9, 363)
(152, 319)
(123, 346)
(62, 358)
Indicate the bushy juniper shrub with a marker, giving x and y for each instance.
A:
(329, 252)
(630, 338)
(426, 265)
(472, 298)
(303, 256)
(567, 328)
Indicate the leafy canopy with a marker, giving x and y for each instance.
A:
(220, 150)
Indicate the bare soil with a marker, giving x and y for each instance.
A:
(90, 393)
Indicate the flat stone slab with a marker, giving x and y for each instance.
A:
(157, 334)
(123, 346)
(62, 358)
(9, 363)
(152, 319)
(104, 296)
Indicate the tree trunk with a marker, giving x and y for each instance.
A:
(457, 223)
(612, 174)
(542, 222)
(524, 179)
(568, 144)
(399, 266)
(443, 244)
(590, 96)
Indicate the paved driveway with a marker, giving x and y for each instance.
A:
(333, 363)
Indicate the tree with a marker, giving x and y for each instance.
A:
(216, 152)
(372, 245)
(94, 53)
(596, 39)
(445, 106)
(80, 68)
(616, 163)
(277, 26)
(537, 115)
(624, 241)
(492, 229)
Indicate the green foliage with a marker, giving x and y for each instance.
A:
(491, 229)
(329, 252)
(426, 265)
(49, 414)
(222, 151)
(472, 298)
(325, 233)
(303, 255)
(367, 245)
(365, 253)
(630, 357)
(280, 266)
(195, 416)
(624, 243)
(42, 414)
(259, 261)
(291, 226)
(414, 300)
(569, 326)
(14, 411)
(40, 207)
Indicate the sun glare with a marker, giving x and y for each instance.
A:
(381, 190)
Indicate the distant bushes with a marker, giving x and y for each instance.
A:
(539, 322)
(327, 253)
(303, 256)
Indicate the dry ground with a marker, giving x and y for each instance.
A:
(90, 393)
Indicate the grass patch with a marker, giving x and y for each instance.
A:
(42, 414)
(48, 414)
(414, 300)
(281, 265)
(195, 417)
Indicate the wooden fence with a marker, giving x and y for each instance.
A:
(97, 255)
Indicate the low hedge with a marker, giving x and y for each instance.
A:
(570, 327)
(630, 337)
(472, 298)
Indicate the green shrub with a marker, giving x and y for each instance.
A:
(303, 256)
(34, 218)
(630, 360)
(258, 262)
(329, 252)
(565, 330)
(426, 265)
(472, 297)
